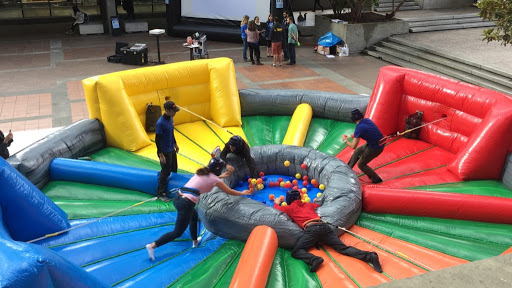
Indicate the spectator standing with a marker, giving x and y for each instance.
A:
(261, 29)
(276, 36)
(285, 38)
(4, 143)
(243, 27)
(130, 10)
(253, 38)
(270, 24)
(293, 38)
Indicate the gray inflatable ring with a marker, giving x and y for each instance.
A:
(235, 217)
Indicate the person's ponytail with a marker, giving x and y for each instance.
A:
(203, 171)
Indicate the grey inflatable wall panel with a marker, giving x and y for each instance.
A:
(328, 105)
(235, 217)
(507, 172)
(79, 139)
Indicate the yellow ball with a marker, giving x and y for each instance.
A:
(281, 184)
(260, 186)
(322, 187)
(318, 195)
(297, 175)
(304, 190)
(307, 200)
(286, 163)
(254, 181)
(283, 204)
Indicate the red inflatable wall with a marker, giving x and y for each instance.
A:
(478, 122)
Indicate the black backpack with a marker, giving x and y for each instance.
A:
(412, 121)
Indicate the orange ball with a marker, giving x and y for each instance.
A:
(294, 182)
(272, 197)
(281, 198)
(259, 181)
(251, 190)
(314, 182)
(251, 186)
(249, 180)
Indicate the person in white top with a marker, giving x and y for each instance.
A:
(80, 18)
(185, 200)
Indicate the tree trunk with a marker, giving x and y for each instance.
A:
(391, 15)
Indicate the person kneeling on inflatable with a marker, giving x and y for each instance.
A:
(185, 200)
(238, 146)
(316, 231)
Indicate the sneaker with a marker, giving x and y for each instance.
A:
(374, 260)
(164, 198)
(259, 63)
(253, 63)
(316, 264)
(289, 63)
(196, 243)
(151, 252)
(377, 181)
(216, 152)
(270, 56)
(69, 32)
(273, 65)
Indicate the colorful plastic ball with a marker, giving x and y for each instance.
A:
(271, 184)
(295, 188)
(310, 186)
(352, 135)
(305, 183)
(304, 190)
(303, 166)
(295, 182)
(288, 185)
(281, 198)
(318, 195)
(251, 190)
(254, 181)
(307, 200)
(251, 186)
(281, 184)
(297, 176)
(283, 204)
(259, 181)
(271, 197)
(247, 178)
(262, 174)
(240, 183)
(313, 181)
(286, 163)
(291, 179)
(305, 178)
(314, 200)
(264, 179)
(280, 179)
(322, 187)
(260, 186)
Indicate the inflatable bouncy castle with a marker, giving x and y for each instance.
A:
(444, 201)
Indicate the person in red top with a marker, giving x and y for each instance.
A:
(316, 231)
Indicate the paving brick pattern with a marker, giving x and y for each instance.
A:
(40, 77)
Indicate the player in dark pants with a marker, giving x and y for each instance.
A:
(368, 131)
(316, 231)
(237, 146)
(166, 148)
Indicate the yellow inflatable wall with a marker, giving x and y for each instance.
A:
(205, 87)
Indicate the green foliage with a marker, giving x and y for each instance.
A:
(501, 12)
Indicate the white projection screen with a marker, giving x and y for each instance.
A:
(225, 9)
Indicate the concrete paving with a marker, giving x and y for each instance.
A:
(493, 272)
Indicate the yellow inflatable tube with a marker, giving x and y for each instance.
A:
(298, 128)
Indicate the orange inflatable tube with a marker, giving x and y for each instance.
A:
(508, 251)
(256, 260)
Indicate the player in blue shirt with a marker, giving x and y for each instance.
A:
(166, 148)
(367, 130)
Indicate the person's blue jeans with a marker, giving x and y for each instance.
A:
(245, 48)
(187, 216)
(291, 52)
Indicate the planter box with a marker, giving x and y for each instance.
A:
(362, 35)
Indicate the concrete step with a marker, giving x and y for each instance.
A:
(388, 9)
(382, 5)
(445, 22)
(397, 61)
(434, 63)
(441, 17)
(452, 26)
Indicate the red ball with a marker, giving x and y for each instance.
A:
(294, 182)
(249, 180)
(295, 188)
(281, 198)
(316, 185)
(271, 184)
(280, 180)
(305, 178)
(305, 183)
(262, 174)
(352, 135)
(303, 166)
(259, 181)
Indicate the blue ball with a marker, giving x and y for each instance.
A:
(309, 187)
(240, 183)
(291, 179)
(246, 178)
(263, 201)
(264, 178)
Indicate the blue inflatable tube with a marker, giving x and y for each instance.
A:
(112, 175)
(27, 213)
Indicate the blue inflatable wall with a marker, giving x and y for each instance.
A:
(112, 175)
(27, 212)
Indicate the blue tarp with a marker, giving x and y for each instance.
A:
(329, 39)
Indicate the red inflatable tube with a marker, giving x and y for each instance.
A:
(437, 204)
